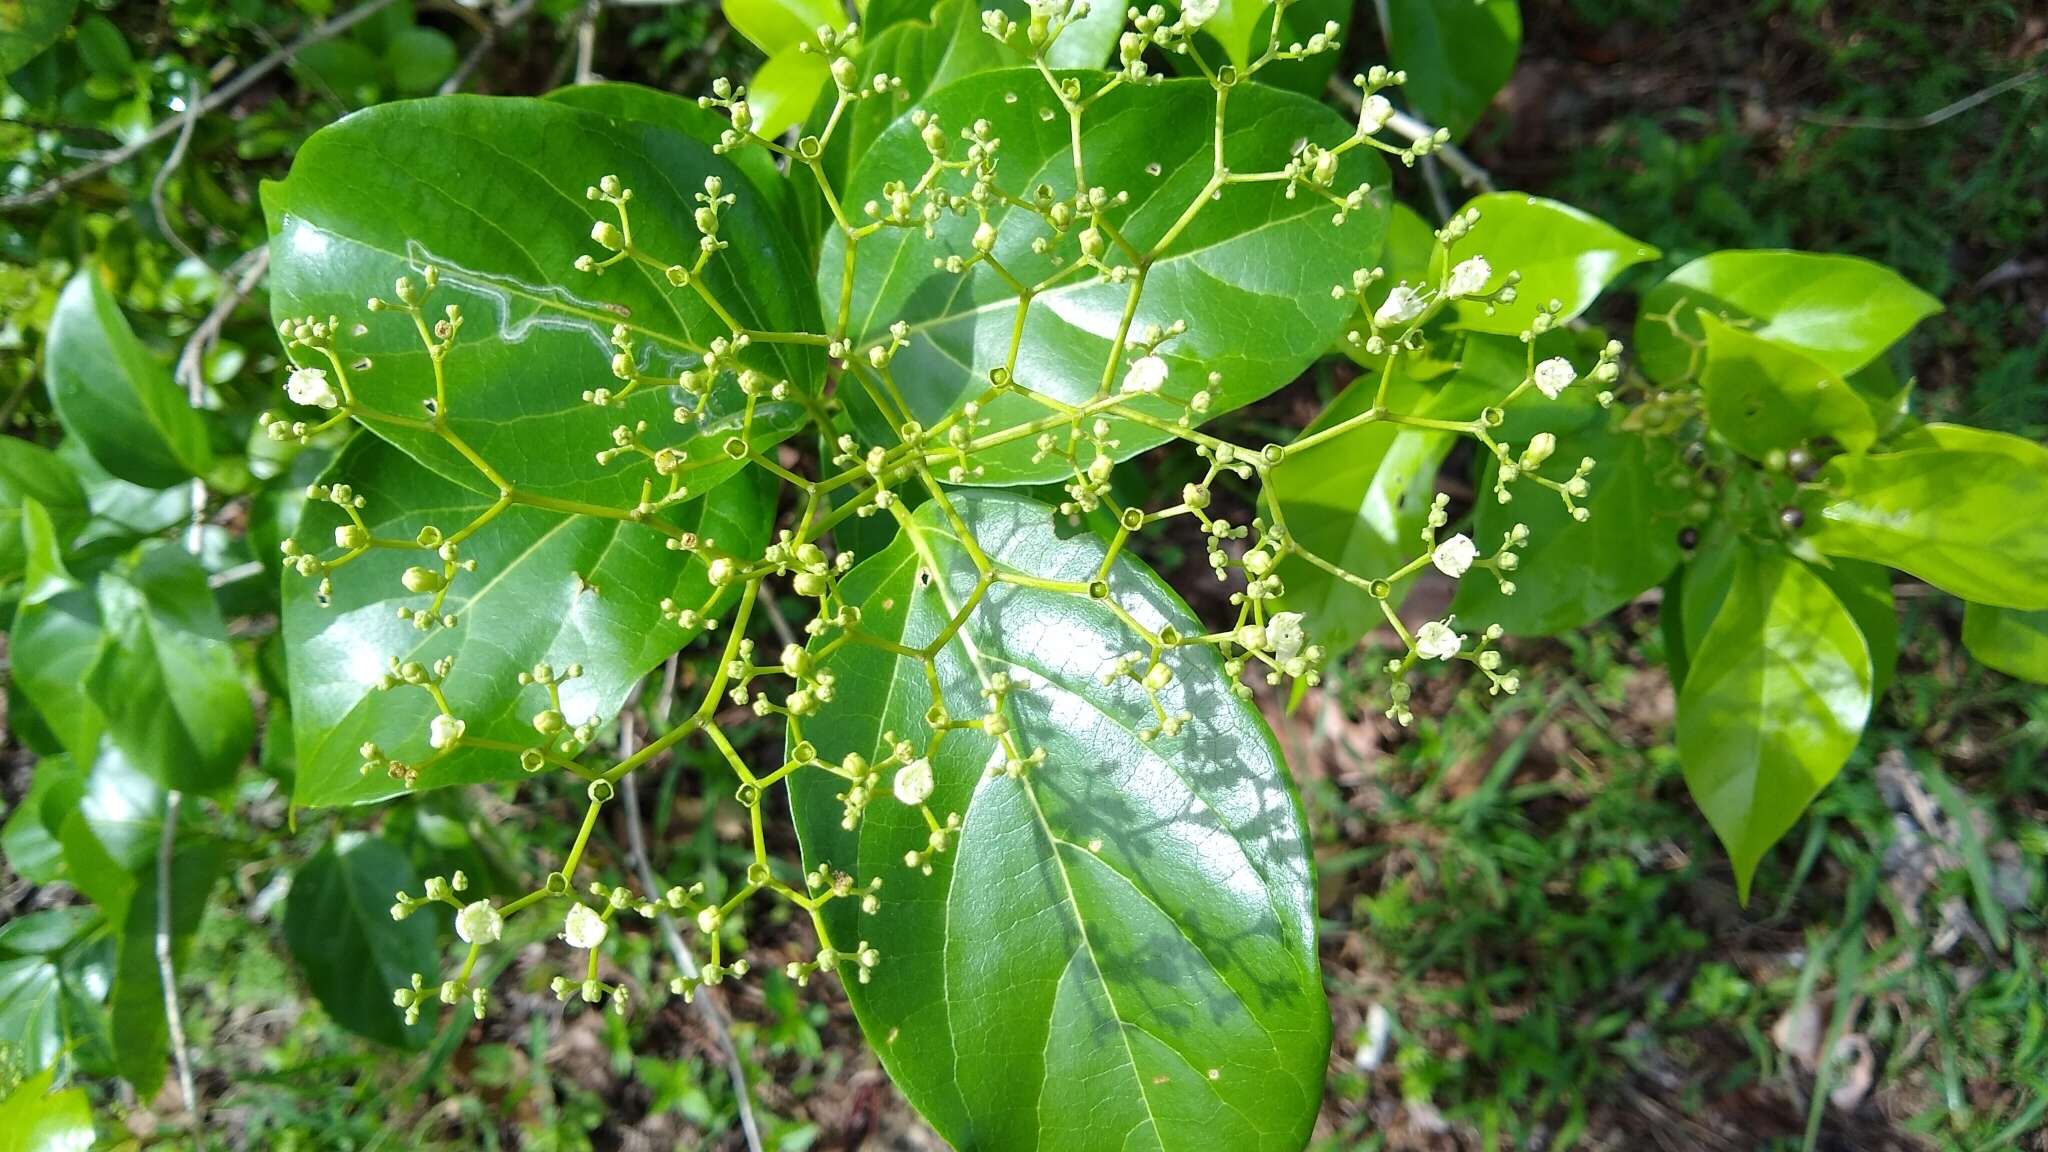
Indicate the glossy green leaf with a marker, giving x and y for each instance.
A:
(548, 587)
(29, 26)
(56, 639)
(785, 89)
(1842, 311)
(1763, 396)
(1562, 253)
(33, 1118)
(1627, 544)
(1775, 702)
(1251, 275)
(1359, 501)
(634, 102)
(2015, 643)
(337, 922)
(32, 472)
(114, 397)
(111, 846)
(165, 677)
(1458, 54)
(1120, 949)
(1967, 522)
(490, 191)
(1865, 591)
(53, 975)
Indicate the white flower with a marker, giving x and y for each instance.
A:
(309, 386)
(1283, 632)
(1378, 110)
(1555, 375)
(1453, 557)
(913, 784)
(584, 928)
(1402, 305)
(1048, 8)
(1541, 445)
(1147, 375)
(1436, 641)
(1198, 12)
(445, 730)
(1468, 277)
(479, 923)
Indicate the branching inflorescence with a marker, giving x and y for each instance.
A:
(963, 179)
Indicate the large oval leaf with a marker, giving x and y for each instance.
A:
(114, 397)
(1763, 396)
(1967, 522)
(490, 191)
(338, 924)
(1251, 275)
(548, 587)
(1458, 54)
(1840, 310)
(30, 471)
(1120, 950)
(2015, 643)
(55, 639)
(1773, 705)
(37, 1119)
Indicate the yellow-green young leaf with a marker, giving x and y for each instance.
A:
(1562, 253)
(491, 192)
(1119, 950)
(1966, 521)
(32, 472)
(1357, 500)
(114, 397)
(1627, 544)
(1774, 703)
(28, 27)
(1865, 590)
(1457, 53)
(776, 25)
(1251, 275)
(1840, 310)
(55, 639)
(165, 676)
(338, 924)
(1763, 396)
(549, 587)
(35, 1119)
(785, 88)
(2015, 643)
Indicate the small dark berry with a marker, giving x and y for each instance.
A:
(1793, 519)
(1688, 538)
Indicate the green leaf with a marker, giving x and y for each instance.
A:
(1967, 522)
(1763, 396)
(1458, 54)
(1865, 591)
(774, 25)
(32, 472)
(1627, 544)
(113, 396)
(420, 58)
(103, 49)
(28, 843)
(1842, 311)
(1775, 702)
(28, 27)
(368, 201)
(1563, 254)
(1358, 500)
(633, 102)
(165, 677)
(1119, 950)
(337, 922)
(522, 606)
(53, 974)
(2015, 643)
(1251, 275)
(35, 1119)
(56, 639)
(786, 88)
(111, 844)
